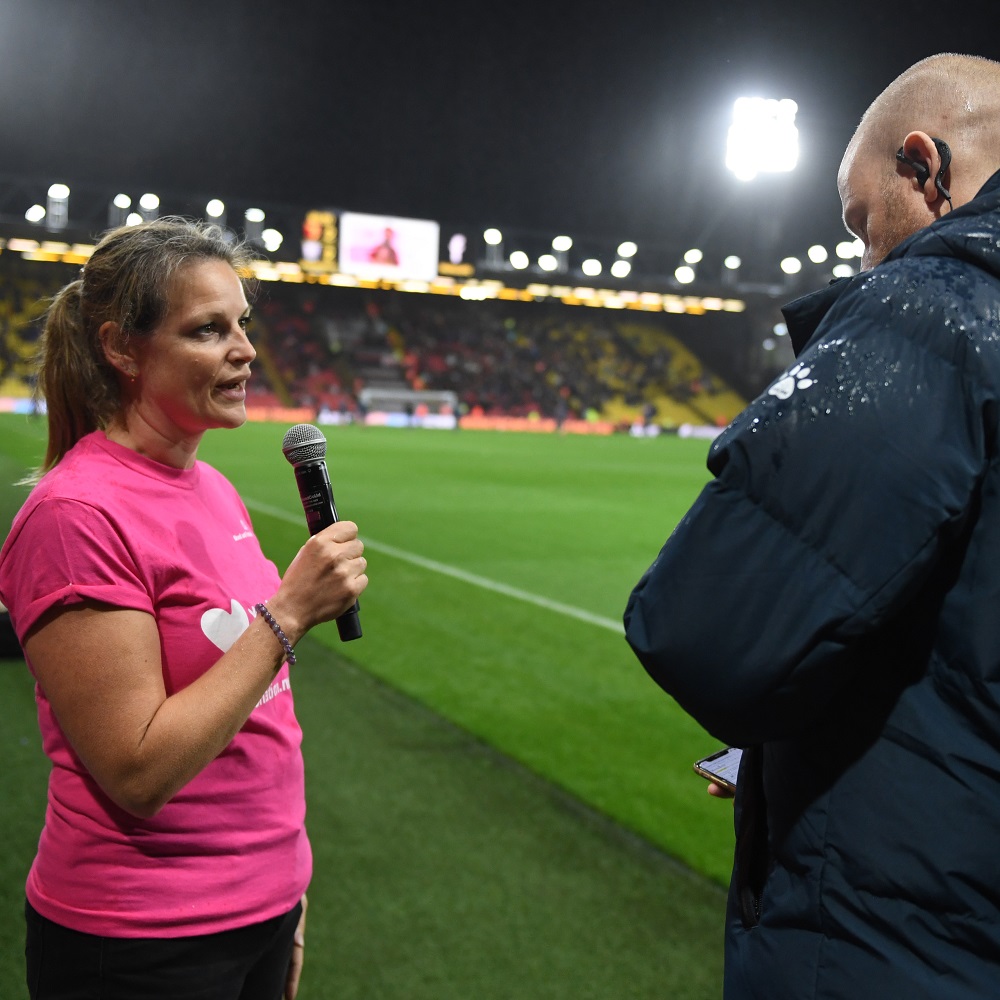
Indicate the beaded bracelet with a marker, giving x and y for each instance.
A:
(261, 609)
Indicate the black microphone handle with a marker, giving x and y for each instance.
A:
(316, 495)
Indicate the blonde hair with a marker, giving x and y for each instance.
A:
(126, 282)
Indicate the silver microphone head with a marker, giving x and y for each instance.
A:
(303, 443)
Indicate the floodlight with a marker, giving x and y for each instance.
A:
(859, 247)
(122, 201)
(271, 239)
(621, 268)
(791, 265)
(843, 271)
(519, 259)
(694, 256)
(732, 262)
(591, 267)
(684, 274)
(215, 208)
(817, 254)
(762, 138)
(254, 215)
(845, 250)
(493, 236)
(58, 192)
(149, 202)
(133, 219)
(547, 262)
(627, 249)
(780, 330)
(562, 243)
(35, 214)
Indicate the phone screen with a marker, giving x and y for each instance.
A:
(721, 767)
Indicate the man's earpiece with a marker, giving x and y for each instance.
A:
(922, 171)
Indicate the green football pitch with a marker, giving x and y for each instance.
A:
(501, 803)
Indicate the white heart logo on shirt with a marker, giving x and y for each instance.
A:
(222, 628)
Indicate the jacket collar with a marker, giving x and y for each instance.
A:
(804, 314)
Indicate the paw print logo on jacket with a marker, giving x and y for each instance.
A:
(796, 378)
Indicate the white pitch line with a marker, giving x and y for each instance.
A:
(460, 574)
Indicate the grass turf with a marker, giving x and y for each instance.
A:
(441, 871)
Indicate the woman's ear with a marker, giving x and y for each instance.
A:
(119, 358)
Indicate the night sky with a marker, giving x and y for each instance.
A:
(598, 119)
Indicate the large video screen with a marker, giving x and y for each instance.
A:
(383, 246)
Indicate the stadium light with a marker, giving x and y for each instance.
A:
(791, 265)
(693, 256)
(817, 254)
(493, 237)
(118, 209)
(253, 225)
(547, 262)
(133, 219)
(780, 329)
(35, 214)
(591, 267)
(732, 262)
(57, 206)
(621, 268)
(845, 250)
(627, 249)
(684, 274)
(149, 206)
(762, 138)
(562, 243)
(121, 201)
(519, 259)
(215, 209)
(843, 271)
(272, 240)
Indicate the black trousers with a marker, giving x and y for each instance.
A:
(249, 963)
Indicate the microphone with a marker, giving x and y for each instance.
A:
(305, 447)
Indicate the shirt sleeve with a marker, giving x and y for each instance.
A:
(68, 552)
(836, 494)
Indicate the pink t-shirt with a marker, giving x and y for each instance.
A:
(230, 849)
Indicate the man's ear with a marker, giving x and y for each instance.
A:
(117, 355)
(920, 156)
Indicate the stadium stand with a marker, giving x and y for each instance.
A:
(319, 346)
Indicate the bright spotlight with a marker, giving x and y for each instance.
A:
(149, 203)
(122, 201)
(693, 256)
(271, 239)
(732, 262)
(791, 265)
(780, 330)
(518, 259)
(493, 236)
(591, 267)
(859, 247)
(562, 243)
(621, 268)
(627, 249)
(845, 250)
(35, 214)
(817, 254)
(58, 192)
(684, 274)
(762, 138)
(215, 208)
(843, 271)
(547, 262)
(254, 215)
(133, 219)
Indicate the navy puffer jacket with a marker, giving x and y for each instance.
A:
(832, 601)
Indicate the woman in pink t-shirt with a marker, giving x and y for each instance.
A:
(174, 859)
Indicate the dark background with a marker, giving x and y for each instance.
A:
(603, 120)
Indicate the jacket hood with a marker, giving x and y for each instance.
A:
(970, 233)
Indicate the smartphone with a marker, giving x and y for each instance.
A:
(722, 767)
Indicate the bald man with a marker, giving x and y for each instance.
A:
(831, 602)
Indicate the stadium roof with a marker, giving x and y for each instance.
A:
(600, 121)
